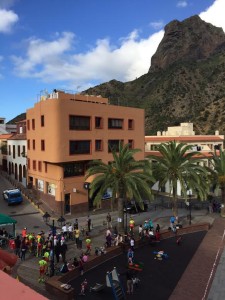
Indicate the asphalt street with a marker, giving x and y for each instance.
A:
(26, 214)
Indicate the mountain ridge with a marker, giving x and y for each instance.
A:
(180, 86)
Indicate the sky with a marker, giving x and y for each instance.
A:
(76, 44)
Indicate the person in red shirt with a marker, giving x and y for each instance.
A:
(24, 232)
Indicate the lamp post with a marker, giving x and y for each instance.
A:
(125, 210)
(61, 221)
(46, 218)
(189, 195)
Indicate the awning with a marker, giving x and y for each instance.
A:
(6, 220)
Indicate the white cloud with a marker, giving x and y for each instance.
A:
(182, 3)
(215, 14)
(58, 62)
(50, 61)
(7, 19)
(157, 25)
(41, 53)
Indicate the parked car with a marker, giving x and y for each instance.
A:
(133, 207)
(12, 196)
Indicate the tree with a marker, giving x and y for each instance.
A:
(126, 177)
(178, 163)
(218, 162)
(4, 149)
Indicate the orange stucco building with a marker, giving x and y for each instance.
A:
(65, 132)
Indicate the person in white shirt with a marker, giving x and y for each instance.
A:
(132, 243)
(64, 230)
(70, 230)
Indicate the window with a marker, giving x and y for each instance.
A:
(39, 166)
(114, 145)
(24, 152)
(80, 147)
(34, 164)
(28, 124)
(130, 124)
(28, 163)
(33, 124)
(115, 123)
(42, 121)
(131, 144)
(79, 123)
(28, 144)
(9, 149)
(98, 145)
(98, 122)
(40, 185)
(14, 151)
(46, 167)
(42, 145)
(76, 169)
(18, 150)
(154, 147)
(33, 142)
(24, 172)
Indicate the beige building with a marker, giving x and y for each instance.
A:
(205, 144)
(64, 133)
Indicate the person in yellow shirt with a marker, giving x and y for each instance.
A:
(77, 236)
(88, 245)
(131, 225)
(42, 269)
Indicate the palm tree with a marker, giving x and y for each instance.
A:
(178, 163)
(218, 162)
(126, 177)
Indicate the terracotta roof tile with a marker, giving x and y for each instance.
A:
(192, 138)
(5, 136)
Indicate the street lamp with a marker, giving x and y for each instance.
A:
(46, 218)
(61, 221)
(125, 210)
(189, 195)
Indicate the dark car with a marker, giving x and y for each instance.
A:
(133, 207)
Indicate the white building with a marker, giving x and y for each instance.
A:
(7, 128)
(17, 152)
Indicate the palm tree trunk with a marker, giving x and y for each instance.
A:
(120, 215)
(175, 211)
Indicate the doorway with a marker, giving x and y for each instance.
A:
(67, 204)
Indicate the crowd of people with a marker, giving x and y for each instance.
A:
(51, 247)
(54, 244)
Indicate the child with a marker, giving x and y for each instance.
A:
(83, 287)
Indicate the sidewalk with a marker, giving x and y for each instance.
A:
(28, 270)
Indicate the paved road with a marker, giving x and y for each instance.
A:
(26, 214)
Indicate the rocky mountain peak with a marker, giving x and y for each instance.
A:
(191, 39)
